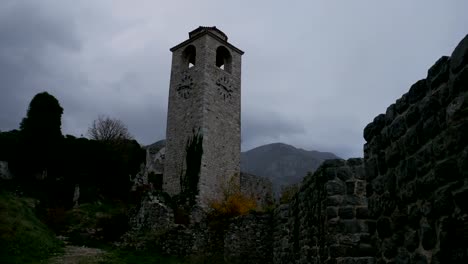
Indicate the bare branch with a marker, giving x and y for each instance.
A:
(108, 129)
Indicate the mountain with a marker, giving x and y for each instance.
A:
(281, 163)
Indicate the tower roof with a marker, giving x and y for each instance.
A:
(212, 31)
(202, 29)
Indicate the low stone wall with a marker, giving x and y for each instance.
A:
(5, 173)
(249, 239)
(326, 221)
(259, 188)
(416, 159)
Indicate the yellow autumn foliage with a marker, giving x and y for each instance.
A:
(232, 202)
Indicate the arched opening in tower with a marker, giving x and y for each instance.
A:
(223, 59)
(188, 56)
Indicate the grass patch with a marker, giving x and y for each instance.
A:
(23, 237)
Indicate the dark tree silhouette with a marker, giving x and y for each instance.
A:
(44, 118)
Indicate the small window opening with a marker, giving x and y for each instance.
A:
(223, 59)
(189, 56)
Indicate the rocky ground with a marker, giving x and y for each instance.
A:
(80, 255)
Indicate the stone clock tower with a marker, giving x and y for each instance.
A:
(203, 119)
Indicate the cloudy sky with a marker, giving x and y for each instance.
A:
(315, 73)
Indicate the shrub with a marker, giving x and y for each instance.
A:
(232, 202)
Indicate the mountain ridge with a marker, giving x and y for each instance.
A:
(283, 164)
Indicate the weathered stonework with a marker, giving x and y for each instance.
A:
(5, 173)
(248, 239)
(416, 158)
(258, 188)
(327, 220)
(204, 100)
(153, 167)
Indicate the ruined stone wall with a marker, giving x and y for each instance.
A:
(5, 173)
(249, 239)
(416, 160)
(259, 188)
(326, 221)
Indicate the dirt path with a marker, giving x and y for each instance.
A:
(80, 255)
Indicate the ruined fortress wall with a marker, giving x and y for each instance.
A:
(258, 188)
(249, 239)
(416, 160)
(327, 220)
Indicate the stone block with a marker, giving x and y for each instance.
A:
(365, 249)
(393, 156)
(330, 173)
(411, 141)
(335, 188)
(371, 168)
(428, 236)
(337, 250)
(352, 162)
(459, 56)
(346, 212)
(460, 82)
(332, 212)
(375, 127)
(344, 173)
(417, 91)
(354, 200)
(402, 104)
(447, 170)
(334, 200)
(397, 128)
(412, 116)
(362, 212)
(384, 227)
(390, 114)
(439, 72)
(360, 188)
(350, 187)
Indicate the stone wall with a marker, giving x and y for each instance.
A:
(416, 160)
(326, 221)
(259, 188)
(5, 173)
(249, 239)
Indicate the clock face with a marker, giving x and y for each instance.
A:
(224, 88)
(185, 86)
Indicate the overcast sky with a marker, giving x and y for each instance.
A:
(314, 73)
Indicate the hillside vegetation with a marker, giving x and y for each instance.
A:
(23, 237)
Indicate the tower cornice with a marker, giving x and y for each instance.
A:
(203, 33)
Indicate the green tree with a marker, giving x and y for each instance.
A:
(44, 118)
(41, 138)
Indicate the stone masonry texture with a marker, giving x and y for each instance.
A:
(199, 103)
(406, 201)
(416, 160)
(327, 220)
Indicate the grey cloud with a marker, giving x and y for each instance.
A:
(314, 72)
(28, 34)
